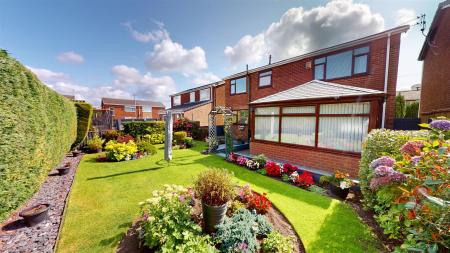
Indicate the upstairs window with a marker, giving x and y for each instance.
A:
(192, 97)
(265, 79)
(205, 95)
(147, 109)
(238, 86)
(177, 100)
(129, 108)
(343, 64)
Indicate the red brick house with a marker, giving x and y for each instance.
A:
(435, 54)
(132, 109)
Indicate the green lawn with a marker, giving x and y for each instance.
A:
(105, 196)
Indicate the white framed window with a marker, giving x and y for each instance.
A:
(147, 108)
(130, 108)
(192, 97)
(205, 94)
(177, 100)
(265, 79)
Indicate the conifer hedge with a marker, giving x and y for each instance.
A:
(37, 128)
(84, 118)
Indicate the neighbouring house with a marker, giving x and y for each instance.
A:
(412, 95)
(193, 104)
(124, 109)
(435, 54)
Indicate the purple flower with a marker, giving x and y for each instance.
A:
(411, 147)
(242, 246)
(181, 198)
(383, 161)
(385, 176)
(415, 159)
(382, 171)
(440, 124)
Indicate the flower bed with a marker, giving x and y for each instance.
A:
(172, 221)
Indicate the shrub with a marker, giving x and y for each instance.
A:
(167, 225)
(184, 125)
(125, 138)
(37, 128)
(273, 169)
(214, 187)
(245, 193)
(154, 138)
(340, 179)
(238, 233)
(111, 135)
(201, 134)
(259, 203)
(289, 168)
(84, 118)
(140, 128)
(189, 142)
(179, 136)
(120, 151)
(399, 106)
(146, 147)
(303, 180)
(261, 160)
(380, 142)
(242, 160)
(95, 143)
(234, 206)
(277, 243)
(232, 157)
(317, 189)
(412, 110)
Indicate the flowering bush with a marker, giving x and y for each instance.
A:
(383, 161)
(259, 203)
(342, 180)
(273, 169)
(242, 161)
(289, 168)
(412, 148)
(125, 138)
(252, 165)
(303, 180)
(232, 157)
(245, 193)
(120, 151)
(183, 125)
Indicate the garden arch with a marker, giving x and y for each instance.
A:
(212, 133)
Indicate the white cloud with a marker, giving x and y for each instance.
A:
(299, 31)
(172, 56)
(151, 36)
(405, 16)
(48, 76)
(205, 78)
(70, 57)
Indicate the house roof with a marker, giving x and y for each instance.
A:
(396, 30)
(316, 89)
(120, 101)
(199, 88)
(188, 106)
(432, 30)
(410, 95)
(72, 97)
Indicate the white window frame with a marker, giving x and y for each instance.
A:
(192, 96)
(204, 97)
(177, 100)
(129, 108)
(145, 109)
(263, 75)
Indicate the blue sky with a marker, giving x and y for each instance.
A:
(153, 48)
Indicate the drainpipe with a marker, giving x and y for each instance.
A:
(386, 74)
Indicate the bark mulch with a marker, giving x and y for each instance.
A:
(16, 236)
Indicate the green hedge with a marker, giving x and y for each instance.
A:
(84, 118)
(37, 128)
(380, 142)
(140, 128)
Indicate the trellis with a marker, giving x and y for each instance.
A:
(212, 135)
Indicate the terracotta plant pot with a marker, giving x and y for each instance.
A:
(63, 170)
(337, 191)
(213, 216)
(35, 214)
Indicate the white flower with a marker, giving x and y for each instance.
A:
(344, 185)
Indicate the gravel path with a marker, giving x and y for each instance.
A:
(15, 236)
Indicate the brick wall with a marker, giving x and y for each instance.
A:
(219, 100)
(119, 112)
(293, 74)
(199, 114)
(435, 93)
(306, 157)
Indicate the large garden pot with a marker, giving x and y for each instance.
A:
(337, 191)
(35, 214)
(213, 216)
(63, 170)
(75, 153)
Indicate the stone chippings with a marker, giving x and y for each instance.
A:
(15, 236)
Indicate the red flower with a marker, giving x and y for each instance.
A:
(273, 169)
(259, 203)
(304, 180)
(289, 168)
(125, 138)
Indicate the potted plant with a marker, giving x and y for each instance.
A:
(95, 144)
(64, 169)
(35, 214)
(76, 153)
(339, 184)
(215, 189)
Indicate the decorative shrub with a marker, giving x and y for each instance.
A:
(154, 138)
(84, 117)
(215, 187)
(242, 160)
(95, 143)
(234, 206)
(120, 151)
(179, 136)
(37, 129)
(380, 142)
(245, 193)
(238, 233)
(232, 157)
(146, 147)
(340, 179)
(259, 203)
(273, 169)
(183, 125)
(167, 225)
(189, 142)
(111, 135)
(201, 134)
(261, 160)
(140, 128)
(303, 180)
(125, 138)
(317, 189)
(277, 243)
(288, 168)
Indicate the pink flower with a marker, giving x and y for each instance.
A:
(383, 161)
(411, 148)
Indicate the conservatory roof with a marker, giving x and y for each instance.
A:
(316, 89)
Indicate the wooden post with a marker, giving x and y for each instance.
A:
(168, 137)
